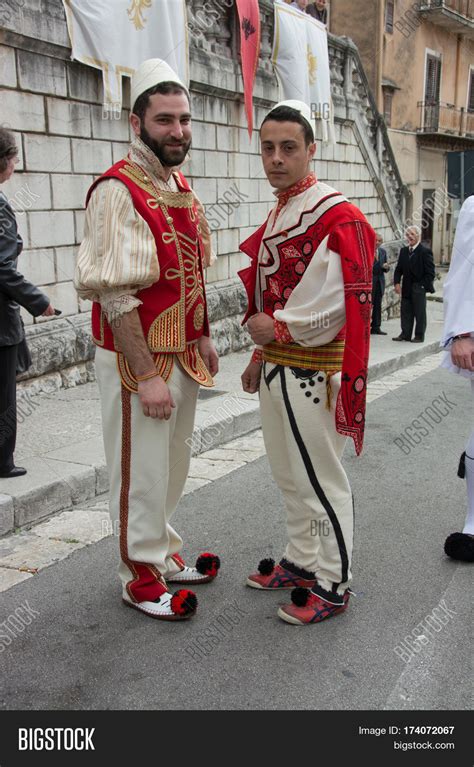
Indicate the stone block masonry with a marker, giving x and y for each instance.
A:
(54, 106)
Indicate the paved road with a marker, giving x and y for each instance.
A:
(85, 650)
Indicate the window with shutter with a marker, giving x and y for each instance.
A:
(389, 15)
(387, 107)
(433, 79)
(470, 102)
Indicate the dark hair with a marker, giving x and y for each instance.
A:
(143, 101)
(290, 115)
(8, 148)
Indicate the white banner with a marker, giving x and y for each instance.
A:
(116, 36)
(301, 62)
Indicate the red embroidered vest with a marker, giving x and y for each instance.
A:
(173, 311)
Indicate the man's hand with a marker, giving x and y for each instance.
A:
(462, 353)
(209, 355)
(155, 398)
(251, 377)
(386, 267)
(261, 329)
(398, 289)
(49, 311)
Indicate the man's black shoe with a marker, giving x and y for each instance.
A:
(378, 332)
(417, 340)
(17, 471)
(400, 338)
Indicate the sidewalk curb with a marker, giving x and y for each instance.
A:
(413, 354)
(218, 420)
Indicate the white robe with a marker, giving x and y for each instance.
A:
(458, 292)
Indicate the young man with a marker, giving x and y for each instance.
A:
(458, 340)
(309, 313)
(141, 264)
(378, 287)
(416, 271)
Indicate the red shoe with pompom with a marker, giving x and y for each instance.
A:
(167, 607)
(310, 607)
(285, 575)
(205, 570)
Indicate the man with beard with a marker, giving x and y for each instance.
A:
(141, 263)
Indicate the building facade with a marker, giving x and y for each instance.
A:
(419, 60)
(54, 106)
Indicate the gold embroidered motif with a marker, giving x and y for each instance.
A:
(198, 319)
(192, 362)
(312, 65)
(177, 199)
(166, 331)
(135, 12)
(163, 365)
(135, 174)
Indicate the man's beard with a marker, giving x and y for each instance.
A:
(169, 156)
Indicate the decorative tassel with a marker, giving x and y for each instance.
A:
(462, 466)
(328, 392)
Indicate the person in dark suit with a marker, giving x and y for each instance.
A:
(14, 290)
(378, 287)
(416, 271)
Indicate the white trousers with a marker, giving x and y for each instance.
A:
(469, 523)
(148, 463)
(305, 453)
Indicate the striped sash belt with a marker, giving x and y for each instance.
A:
(328, 357)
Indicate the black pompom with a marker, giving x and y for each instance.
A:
(266, 566)
(299, 596)
(460, 546)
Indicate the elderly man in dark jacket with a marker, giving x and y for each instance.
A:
(416, 271)
(378, 287)
(15, 290)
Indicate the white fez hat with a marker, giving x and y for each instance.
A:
(152, 72)
(298, 106)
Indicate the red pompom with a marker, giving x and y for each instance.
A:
(208, 564)
(184, 602)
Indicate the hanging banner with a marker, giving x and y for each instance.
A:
(249, 22)
(116, 36)
(301, 62)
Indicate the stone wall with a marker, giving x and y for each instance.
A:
(54, 105)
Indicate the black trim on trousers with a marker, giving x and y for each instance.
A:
(269, 378)
(314, 482)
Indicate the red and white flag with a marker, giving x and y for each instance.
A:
(249, 22)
